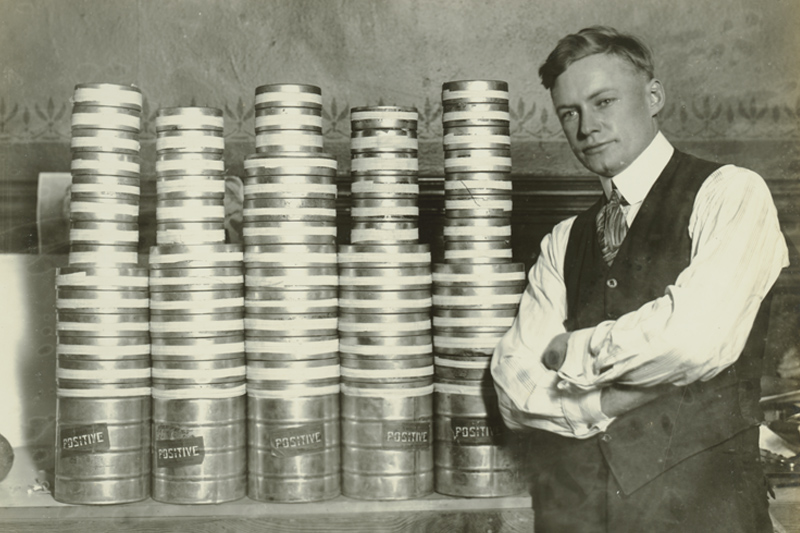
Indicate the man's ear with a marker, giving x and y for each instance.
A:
(656, 96)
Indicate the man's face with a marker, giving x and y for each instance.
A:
(607, 110)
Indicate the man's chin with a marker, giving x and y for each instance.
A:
(600, 166)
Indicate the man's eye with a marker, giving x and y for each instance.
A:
(567, 115)
(605, 101)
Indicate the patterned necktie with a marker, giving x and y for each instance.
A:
(611, 226)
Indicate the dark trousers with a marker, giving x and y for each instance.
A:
(719, 490)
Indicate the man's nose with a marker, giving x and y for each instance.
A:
(588, 124)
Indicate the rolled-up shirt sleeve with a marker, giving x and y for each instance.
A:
(529, 394)
(700, 325)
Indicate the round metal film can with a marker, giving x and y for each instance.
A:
(196, 256)
(105, 117)
(477, 160)
(368, 187)
(474, 368)
(105, 163)
(288, 95)
(177, 373)
(102, 446)
(189, 118)
(289, 186)
(474, 319)
(477, 229)
(190, 233)
(477, 296)
(398, 254)
(396, 162)
(289, 302)
(87, 347)
(458, 113)
(383, 117)
(383, 140)
(126, 374)
(99, 209)
(282, 278)
(293, 166)
(102, 232)
(280, 141)
(475, 91)
(288, 118)
(386, 348)
(104, 140)
(190, 141)
(189, 186)
(184, 348)
(371, 278)
(290, 325)
(208, 278)
(384, 232)
(387, 430)
(189, 164)
(384, 324)
(476, 456)
(110, 94)
(294, 443)
(370, 300)
(294, 348)
(172, 324)
(290, 255)
(497, 250)
(199, 444)
(76, 322)
(288, 232)
(111, 299)
(468, 275)
(465, 342)
(102, 278)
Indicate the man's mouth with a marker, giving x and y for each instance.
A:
(596, 148)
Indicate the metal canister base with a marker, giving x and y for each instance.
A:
(108, 492)
(385, 487)
(116, 469)
(478, 484)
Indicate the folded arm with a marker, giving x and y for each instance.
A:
(700, 325)
(692, 333)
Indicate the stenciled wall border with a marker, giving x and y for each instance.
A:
(703, 118)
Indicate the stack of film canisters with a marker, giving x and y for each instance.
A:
(197, 331)
(291, 303)
(196, 318)
(384, 315)
(103, 342)
(477, 165)
(105, 168)
(476, 291)
(190, 173)
(288, 118)
(384, 189)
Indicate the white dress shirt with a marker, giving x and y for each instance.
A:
(691, 333)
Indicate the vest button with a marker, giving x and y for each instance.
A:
(611, 283)
(606, 437)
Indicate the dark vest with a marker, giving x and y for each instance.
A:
(645, 442)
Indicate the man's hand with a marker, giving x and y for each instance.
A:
(555, 353)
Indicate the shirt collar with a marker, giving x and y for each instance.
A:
(636, 181)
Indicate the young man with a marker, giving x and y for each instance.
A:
(631, 362)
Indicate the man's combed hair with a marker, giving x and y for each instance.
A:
(595, 40)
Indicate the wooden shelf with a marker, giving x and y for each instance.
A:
(25, 510)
